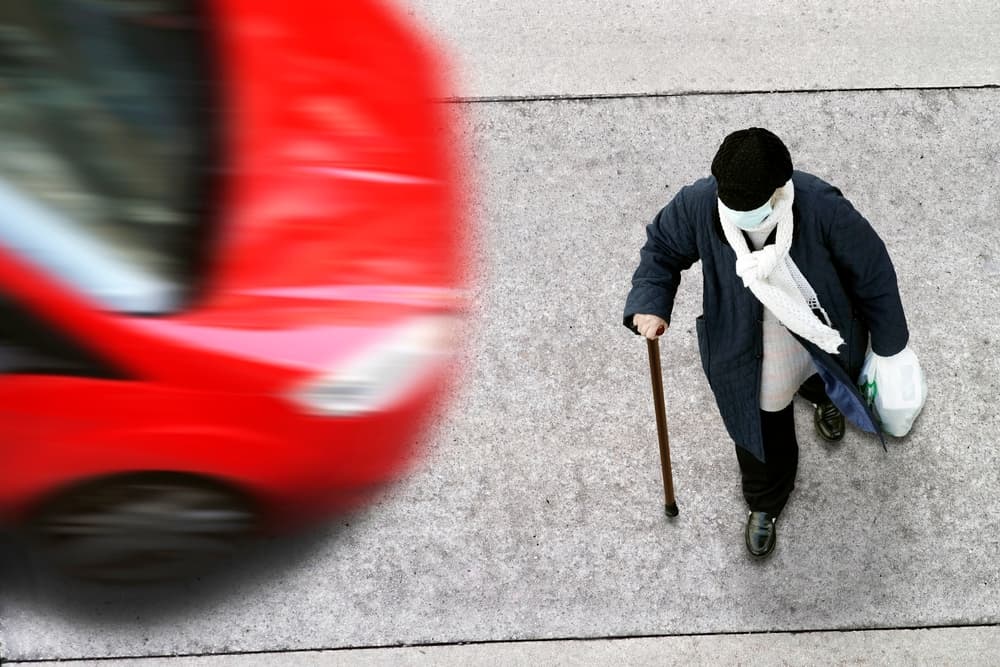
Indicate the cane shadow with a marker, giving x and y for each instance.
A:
(29, 580)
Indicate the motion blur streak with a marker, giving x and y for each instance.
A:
(232, 255)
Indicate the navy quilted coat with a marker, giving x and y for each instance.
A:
(839, 254)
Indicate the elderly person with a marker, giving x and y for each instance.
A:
(795, 280)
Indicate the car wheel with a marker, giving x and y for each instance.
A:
(143, 527)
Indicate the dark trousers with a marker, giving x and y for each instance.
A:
(767, 485)
(813, 390)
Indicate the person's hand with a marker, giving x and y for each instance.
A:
(649, 326)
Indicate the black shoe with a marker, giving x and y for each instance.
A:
(761, 533)
(829, 422)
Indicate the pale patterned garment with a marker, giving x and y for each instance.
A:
(786, 363)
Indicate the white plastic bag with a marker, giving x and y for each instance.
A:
(895, 388)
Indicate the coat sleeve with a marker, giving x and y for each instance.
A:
(670, 248)
(864, 266)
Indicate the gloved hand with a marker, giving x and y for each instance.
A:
(649, 326)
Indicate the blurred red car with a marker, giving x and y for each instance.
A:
(231, 266)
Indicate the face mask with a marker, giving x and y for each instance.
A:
(748, 220)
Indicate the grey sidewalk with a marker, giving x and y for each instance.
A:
(968, 647)
(538, 513)
(524, 48)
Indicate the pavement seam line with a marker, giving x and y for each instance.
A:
(487, 642)
(585, 97)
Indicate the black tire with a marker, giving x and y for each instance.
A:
(143, 527)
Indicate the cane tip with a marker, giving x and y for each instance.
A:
(670, 510)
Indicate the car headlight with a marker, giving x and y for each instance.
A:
(383, 373)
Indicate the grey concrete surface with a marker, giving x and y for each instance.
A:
(582, 47)
(969, 647)
(538, 514)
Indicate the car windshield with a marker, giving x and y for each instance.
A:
(104, 145)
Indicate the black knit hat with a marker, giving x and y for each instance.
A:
(750, 165)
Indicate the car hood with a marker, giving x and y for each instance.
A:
(266, 338)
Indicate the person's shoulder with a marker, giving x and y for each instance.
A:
(817, 196)
(697, 194)
(691, 197)
(813, 187)
(826, 204)
(703, 188)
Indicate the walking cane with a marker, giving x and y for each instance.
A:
(656, 375)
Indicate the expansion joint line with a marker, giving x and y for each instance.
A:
(489, 642)
(500, 99)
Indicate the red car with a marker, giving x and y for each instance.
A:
(231, 267)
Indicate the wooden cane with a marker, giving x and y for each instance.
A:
(656, 375)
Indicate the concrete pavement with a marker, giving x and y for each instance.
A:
(970, 647)
(538, 514)
(522, 48)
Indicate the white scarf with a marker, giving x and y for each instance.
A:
(774, 279)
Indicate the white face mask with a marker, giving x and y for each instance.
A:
(748, 220)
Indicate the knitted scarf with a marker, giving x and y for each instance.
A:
(774, 279)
